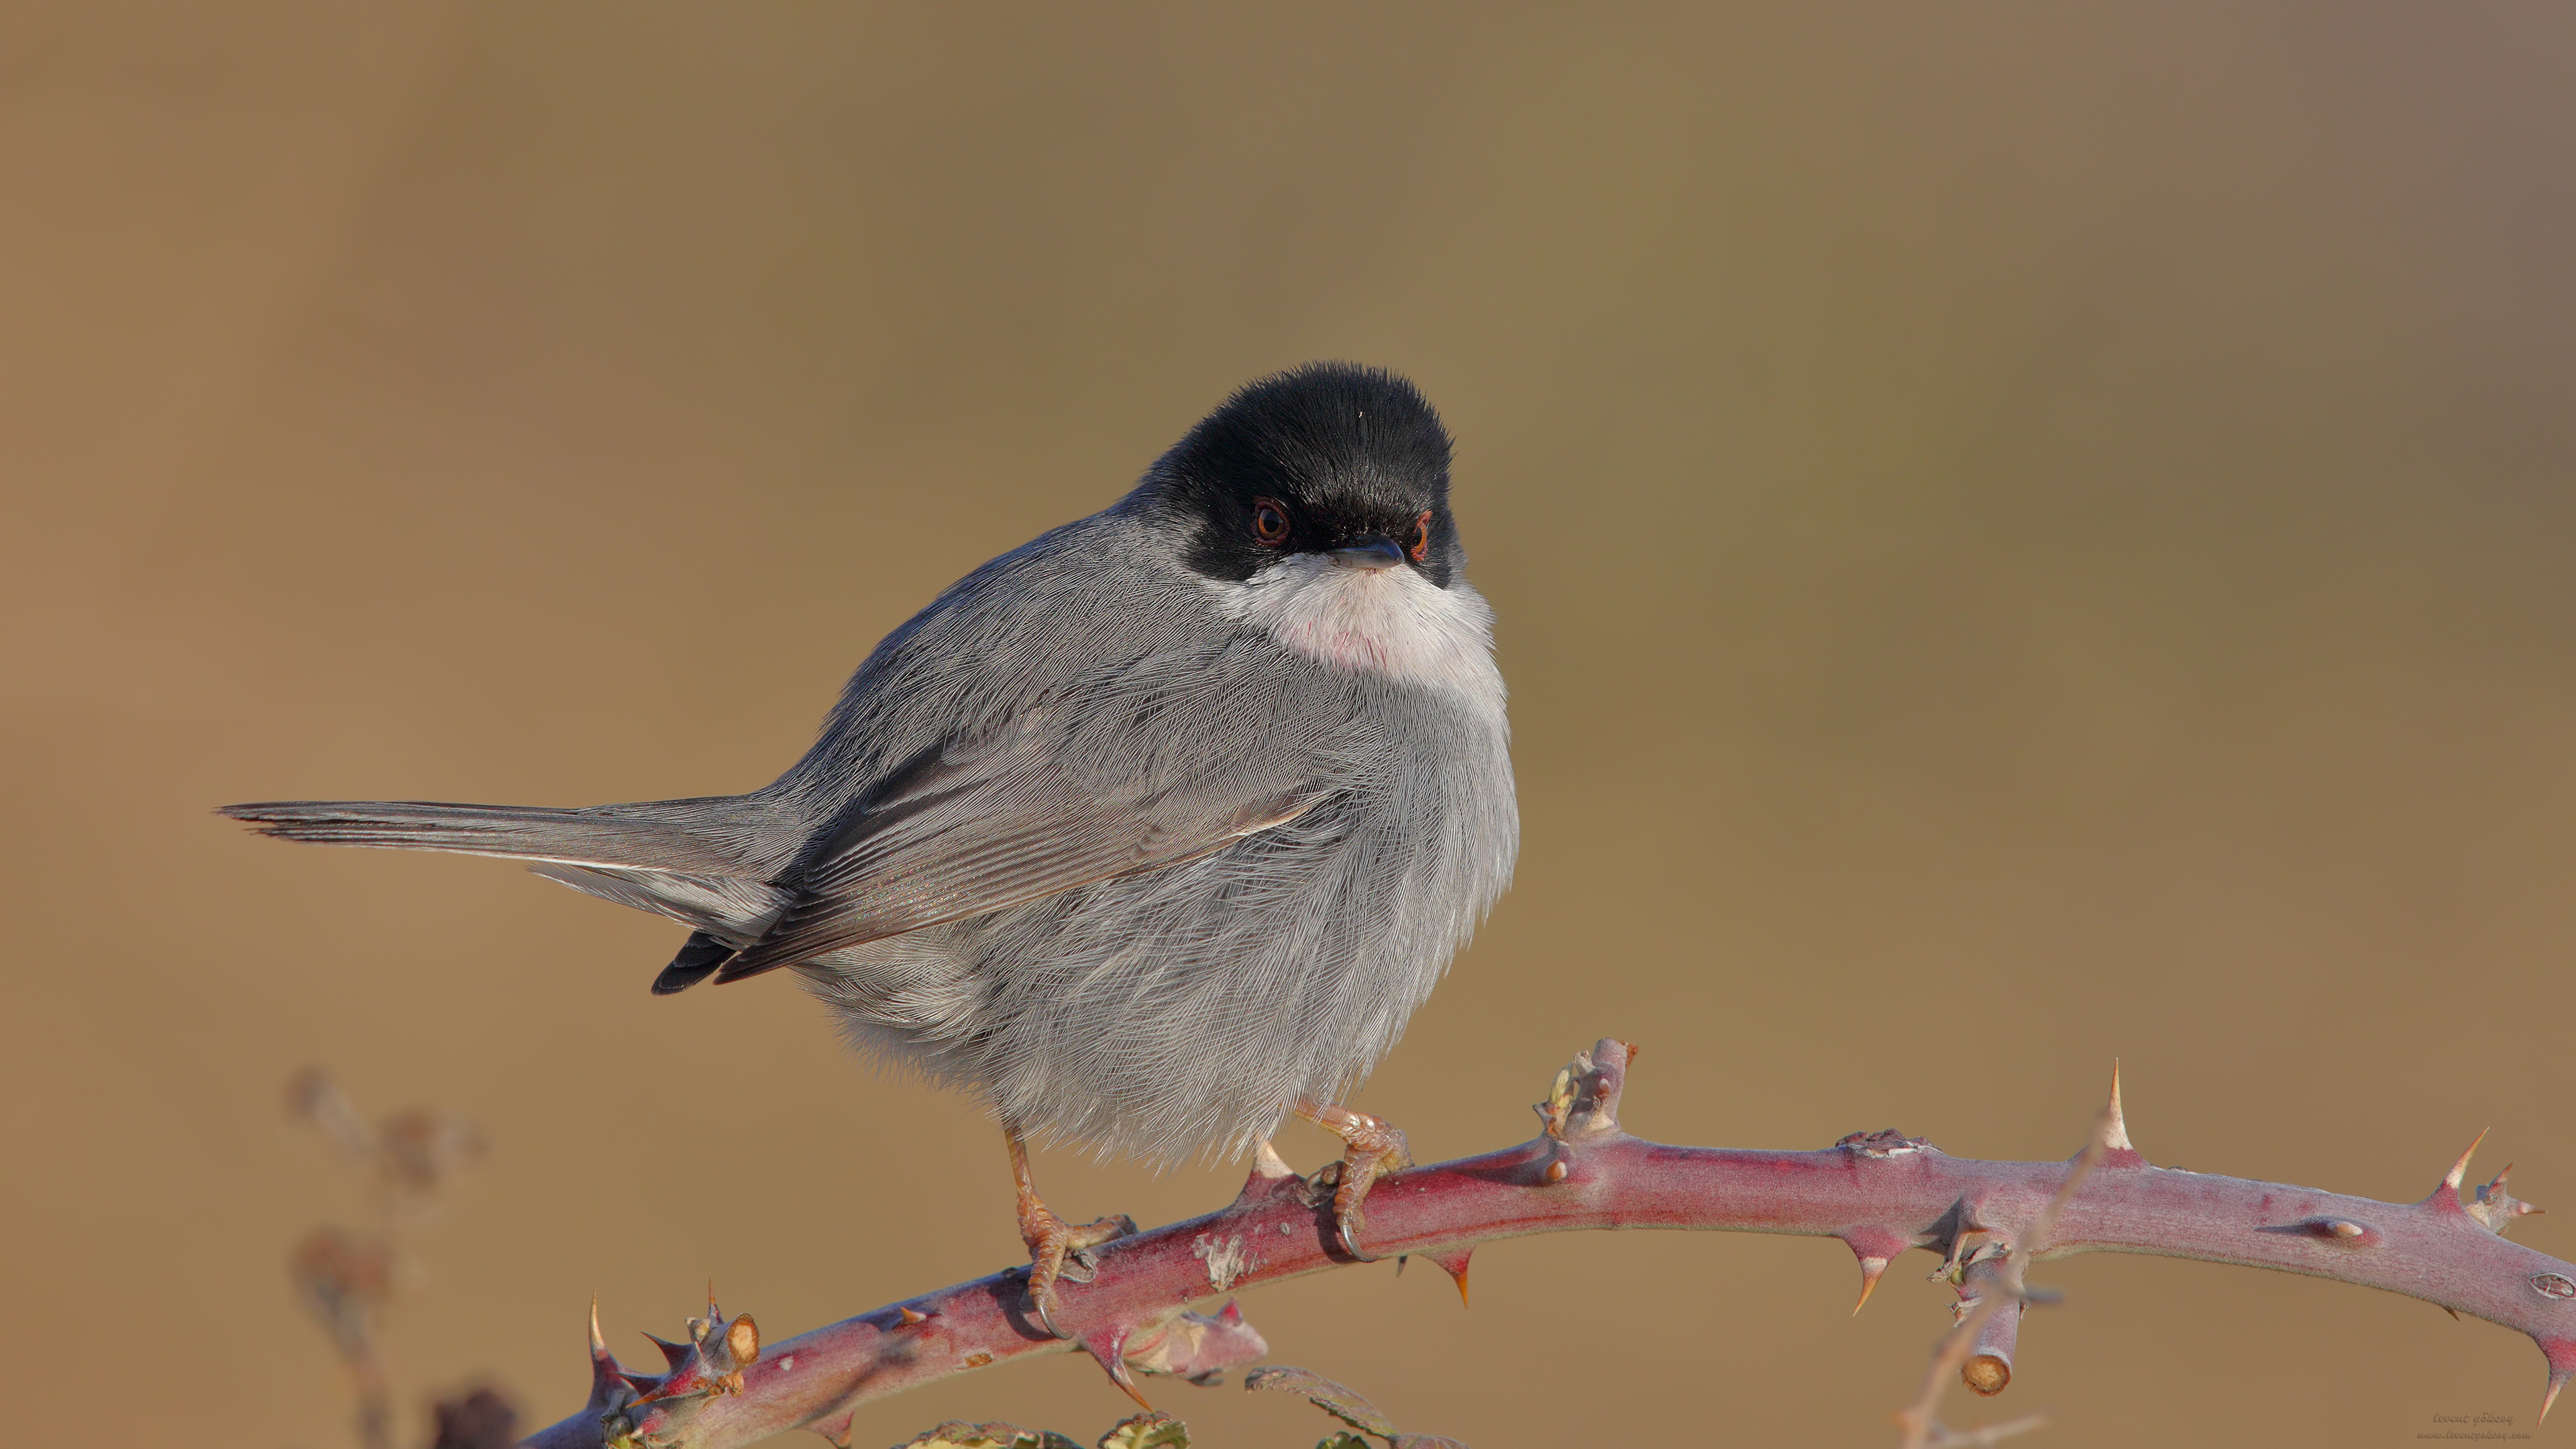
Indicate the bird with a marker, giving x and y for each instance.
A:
(1150, 832)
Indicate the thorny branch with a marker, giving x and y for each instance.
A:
(1880, 1193)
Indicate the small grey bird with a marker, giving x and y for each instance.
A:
(1149, 831)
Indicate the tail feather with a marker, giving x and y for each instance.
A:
(733, 908)
(598, 836)
(699, 957)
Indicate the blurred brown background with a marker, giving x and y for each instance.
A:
(2021, 538)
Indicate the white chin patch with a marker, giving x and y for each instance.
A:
(1388, 621)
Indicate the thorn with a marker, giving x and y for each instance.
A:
(643, 1384)
(836, 1429)
(912, 1319)
(713, 1316)
(2115, 1129)
(2495, 1207)
(2460, 1168)
(2561, 1354)
(2455, 1313)
(673, 1354)
(1109, 1349)
(1454, 1263)
(1870, 1268)
(1267, 1164)
(609, 1384)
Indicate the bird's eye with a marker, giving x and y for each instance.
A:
(1269, 521)
(1421, 548)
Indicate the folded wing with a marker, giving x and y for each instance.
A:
(1034, 810)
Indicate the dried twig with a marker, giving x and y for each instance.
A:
(344, 1276)
(1880, 1193)
(1979, 1346)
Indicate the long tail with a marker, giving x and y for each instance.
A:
(603, 835)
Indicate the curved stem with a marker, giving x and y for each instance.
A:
(1879, 1193)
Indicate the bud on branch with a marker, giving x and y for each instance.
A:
(1880, 1193)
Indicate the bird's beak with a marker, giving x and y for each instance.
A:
(1372, 553)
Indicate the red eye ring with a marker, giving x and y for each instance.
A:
(1421, 537)
(1269, 522)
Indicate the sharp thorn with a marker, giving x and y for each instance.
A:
(1870, 1268)
(2494, 1194)
(1454, 1263)
(2561, 1353)
(2460, 1168)
(673, 1354)
(2115, 1126)
(606, 1376)
(912, 1318)
(713, 1315)
(1110, 1352)
(2455, 1313)
(1267, 1163)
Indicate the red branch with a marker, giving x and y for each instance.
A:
(1880, 1193)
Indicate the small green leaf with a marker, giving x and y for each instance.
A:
(958, 1434)
(1152, 1429)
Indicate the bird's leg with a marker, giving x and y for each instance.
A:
(1057, 1249)
(1371, 1149)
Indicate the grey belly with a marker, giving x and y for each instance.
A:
(1177, 1011)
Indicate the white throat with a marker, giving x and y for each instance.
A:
(1391, 621)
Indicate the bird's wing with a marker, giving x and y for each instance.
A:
(1111, 783)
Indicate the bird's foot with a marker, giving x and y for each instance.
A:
(1371, 1148)
(1061, 1250)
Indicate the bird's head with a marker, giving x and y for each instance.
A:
(1331, 461)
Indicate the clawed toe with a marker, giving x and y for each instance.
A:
(1061, 1251)
(1058, 1250)
(1372, 1148)
(1080, 1264)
